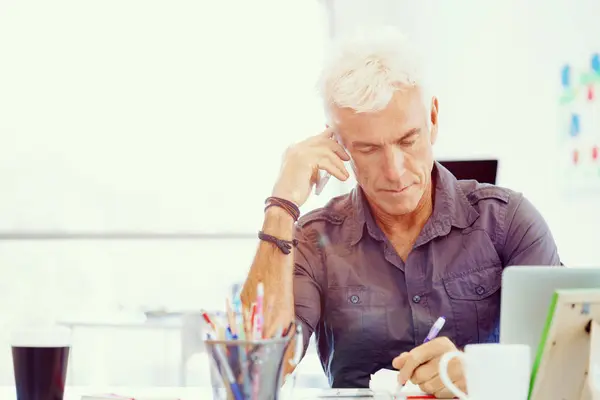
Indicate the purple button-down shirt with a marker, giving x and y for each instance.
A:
(366, 306)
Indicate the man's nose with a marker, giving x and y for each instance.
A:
(393, 164)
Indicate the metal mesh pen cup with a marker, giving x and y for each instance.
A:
(250, 370)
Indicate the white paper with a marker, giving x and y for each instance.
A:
(387, 380)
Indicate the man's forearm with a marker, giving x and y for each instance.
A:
(275, 270)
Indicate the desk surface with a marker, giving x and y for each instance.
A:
(75, 393)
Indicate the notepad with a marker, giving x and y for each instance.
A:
(387, 380)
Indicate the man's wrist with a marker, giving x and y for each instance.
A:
(279, 223)
(278, 214)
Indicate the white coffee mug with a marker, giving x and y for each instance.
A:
(492, 371)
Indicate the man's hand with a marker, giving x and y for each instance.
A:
(421, 367)
(302, 162)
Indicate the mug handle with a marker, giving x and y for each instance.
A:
(444, 361)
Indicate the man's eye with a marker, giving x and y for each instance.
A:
(367, 150)
(408, 142)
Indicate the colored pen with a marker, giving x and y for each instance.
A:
(435, 329)
(257, 334)
(230, 317)
(228, 373)
(209, 322)
(238, 314)
(259, 315)
(238, 317)
(229, 335)
(433, 332)
(248, 320)
(252, 313)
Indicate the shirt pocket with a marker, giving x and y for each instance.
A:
(474, 298)
(355, 312)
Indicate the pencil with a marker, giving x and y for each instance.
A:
(252, 317)
(230, 317)
(259, 314)
(226, 372)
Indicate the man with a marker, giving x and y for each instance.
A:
(373, 270)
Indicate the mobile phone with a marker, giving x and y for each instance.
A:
(322, 180)
(324, 176)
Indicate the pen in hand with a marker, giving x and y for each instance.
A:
(433, 332)
(435, 329)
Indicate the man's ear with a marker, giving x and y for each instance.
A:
(433, 118)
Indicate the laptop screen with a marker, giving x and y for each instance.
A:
(483, 171)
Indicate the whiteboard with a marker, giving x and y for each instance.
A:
(154, 116)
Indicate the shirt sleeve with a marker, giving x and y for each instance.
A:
(307, 291)
(528, 239)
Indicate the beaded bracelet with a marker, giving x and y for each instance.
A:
(284, 245)
(287, 205)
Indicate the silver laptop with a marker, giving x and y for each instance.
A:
(526, 295)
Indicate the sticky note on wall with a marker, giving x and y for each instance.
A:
(566, 76)
(575, 127)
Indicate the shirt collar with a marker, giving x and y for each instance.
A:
(451, 208)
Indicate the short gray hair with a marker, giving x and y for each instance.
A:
(363, 70)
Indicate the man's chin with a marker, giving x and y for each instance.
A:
(406, 206)
(401, 210)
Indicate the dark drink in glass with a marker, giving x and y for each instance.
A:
(40, 364)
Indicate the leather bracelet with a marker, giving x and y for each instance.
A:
(287, 205)
(284, 245)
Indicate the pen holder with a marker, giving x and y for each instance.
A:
(251, 370)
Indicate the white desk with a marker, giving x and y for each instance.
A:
(188, 393)
(75, 393)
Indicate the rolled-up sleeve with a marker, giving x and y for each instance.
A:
(307, 291)
(528, 239)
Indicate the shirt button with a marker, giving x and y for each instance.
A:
(480, 290)
(354, 299)
(416, 299)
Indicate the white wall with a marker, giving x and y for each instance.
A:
(143, 117)
(147, 116)
(495, 66)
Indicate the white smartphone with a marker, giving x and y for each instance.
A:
(324, 176)
(322, 180)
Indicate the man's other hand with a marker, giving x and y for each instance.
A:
(421, 367)
(302, 162)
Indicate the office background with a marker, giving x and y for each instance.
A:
(138, 141)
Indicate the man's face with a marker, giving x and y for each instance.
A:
(391, 149)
